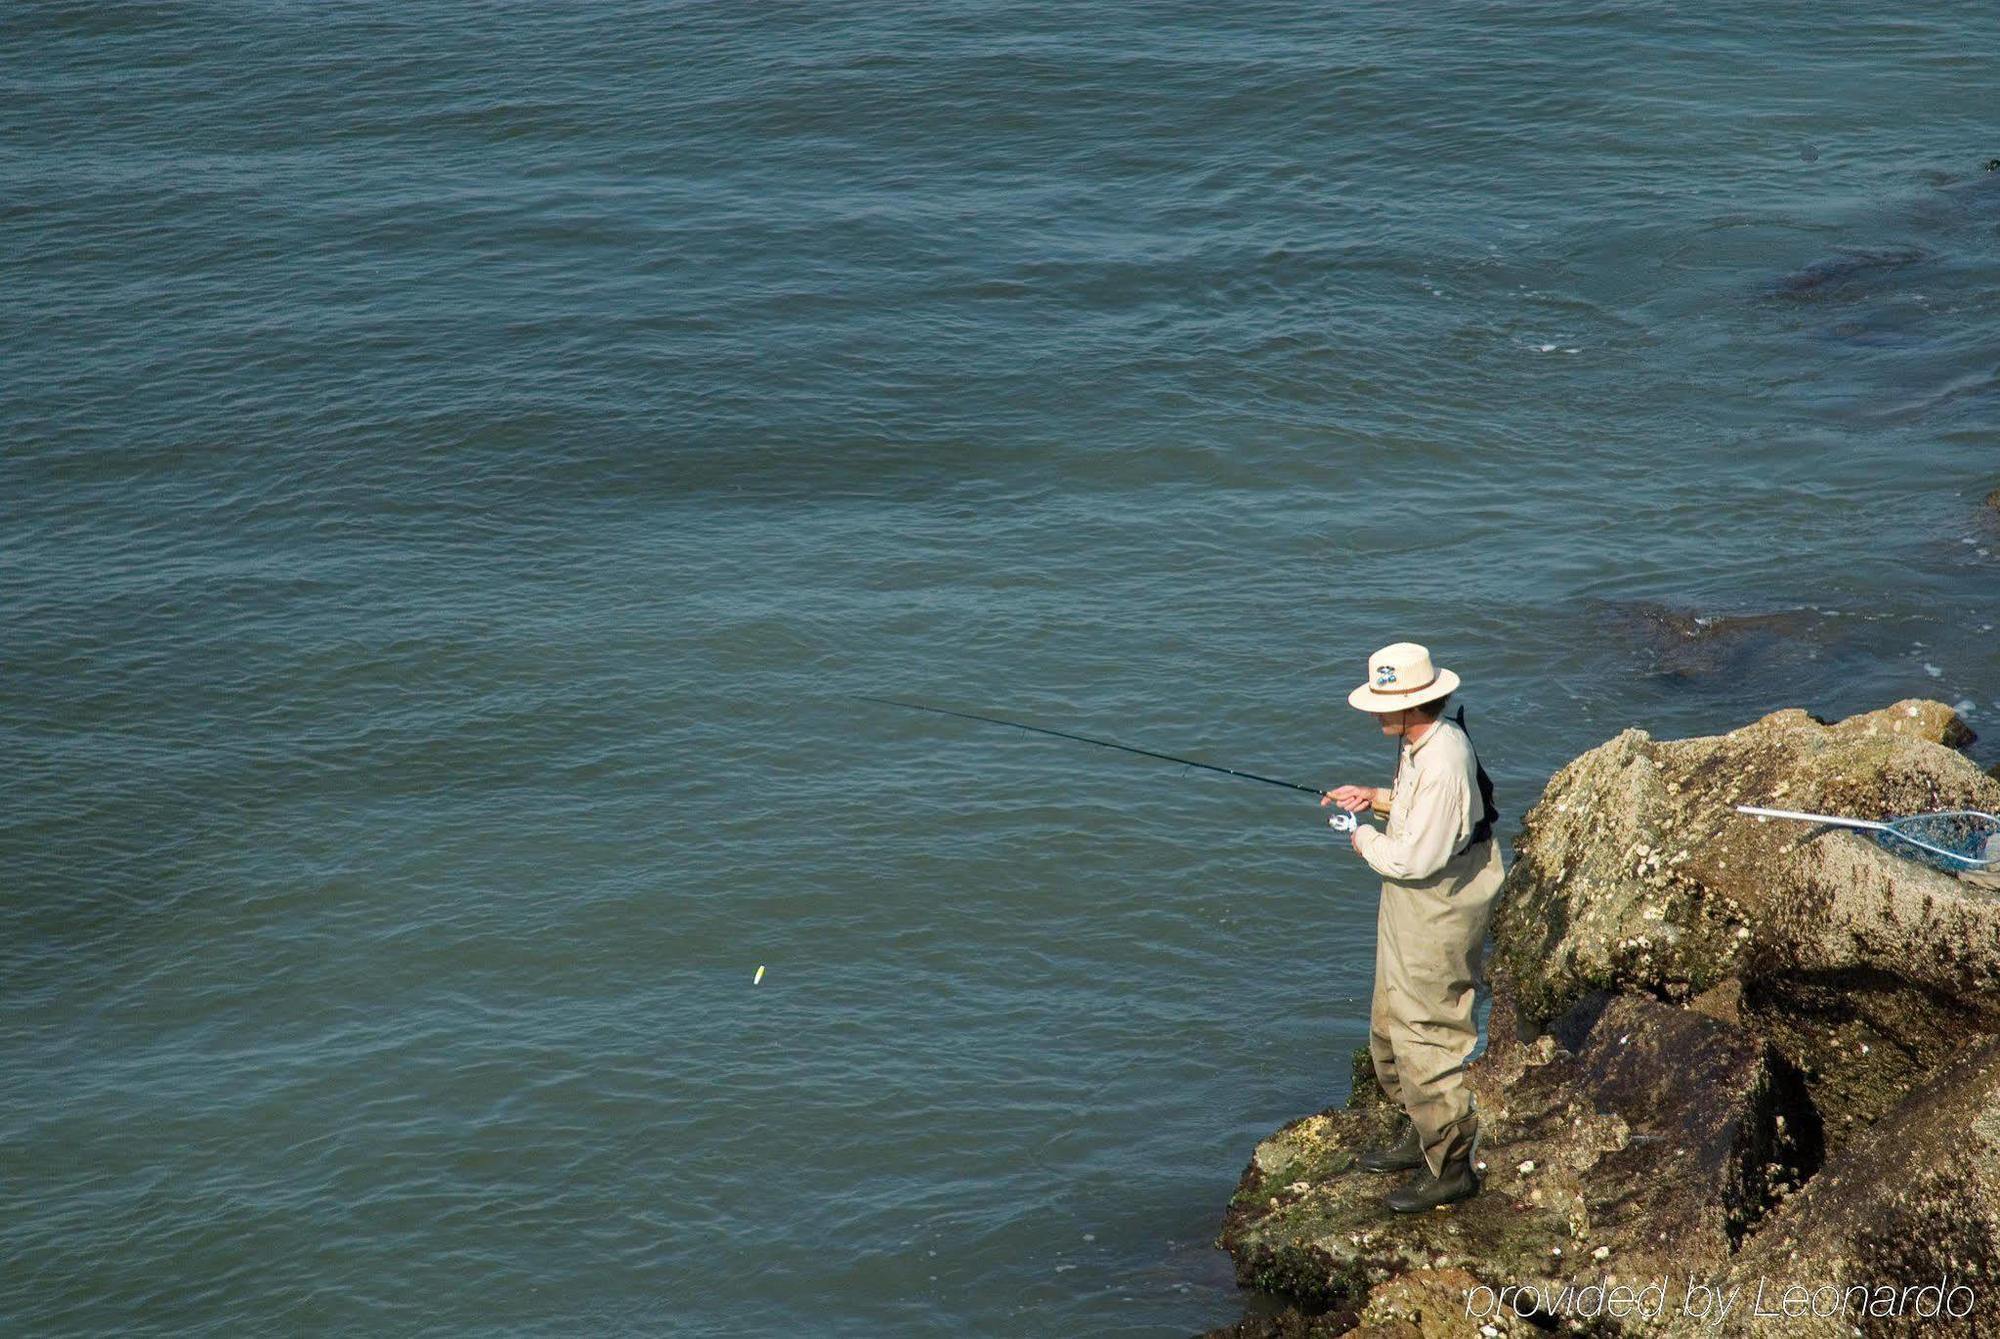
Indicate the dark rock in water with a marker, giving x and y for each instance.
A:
(1844, 276)
(1681, 644)
(1993, 499)
(1880, 294)
(1720, 1048)
(1956, 217)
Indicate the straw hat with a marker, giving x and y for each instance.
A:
(1401, 675)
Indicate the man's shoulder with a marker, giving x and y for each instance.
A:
(1450, 751)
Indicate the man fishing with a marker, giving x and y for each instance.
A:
(1440, 867)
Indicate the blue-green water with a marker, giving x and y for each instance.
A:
(460, 460)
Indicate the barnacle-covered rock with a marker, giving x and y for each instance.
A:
(1634, 872)
(1635, 1129)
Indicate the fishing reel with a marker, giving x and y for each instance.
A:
(1342, 821)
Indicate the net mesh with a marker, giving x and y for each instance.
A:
(1955, 842)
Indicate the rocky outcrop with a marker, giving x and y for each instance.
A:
(1724, 1049)
(1632, 1130)
(1635, 873)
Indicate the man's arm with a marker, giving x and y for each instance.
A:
(1438, 806)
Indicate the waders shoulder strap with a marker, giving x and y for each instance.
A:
(1483, 829)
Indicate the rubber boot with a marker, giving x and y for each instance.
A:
(1400, 1156)
(1424, 1191)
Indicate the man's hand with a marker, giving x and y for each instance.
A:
(1351, 798)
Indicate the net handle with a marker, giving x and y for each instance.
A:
(1812, 818)
(1958, 859)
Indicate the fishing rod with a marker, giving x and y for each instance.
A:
(1086, 739)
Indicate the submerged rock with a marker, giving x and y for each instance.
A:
(1846, 275)
(1723, 1049)
(1681, 644)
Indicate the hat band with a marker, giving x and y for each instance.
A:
(1399, 692)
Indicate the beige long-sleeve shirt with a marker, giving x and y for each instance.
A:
(1432, 811)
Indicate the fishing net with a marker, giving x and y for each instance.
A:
(1958, 841)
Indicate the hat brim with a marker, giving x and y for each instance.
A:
(1365, 698)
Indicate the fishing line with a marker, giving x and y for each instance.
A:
(1086, 739)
